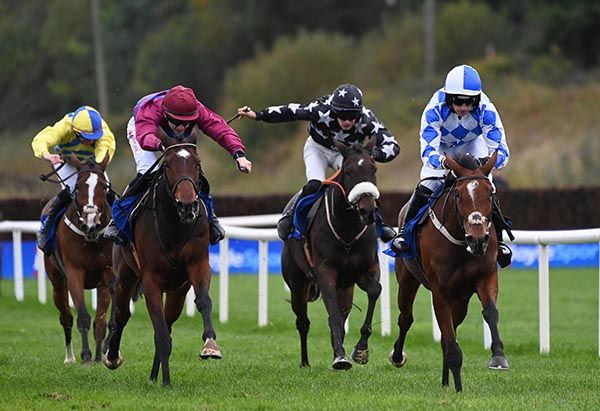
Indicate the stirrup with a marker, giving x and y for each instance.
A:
(504, 255)
(399, 244)
(217, 233)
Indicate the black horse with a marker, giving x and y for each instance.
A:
(170, 254)
(340, 251)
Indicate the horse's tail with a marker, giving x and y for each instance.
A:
(314, 292)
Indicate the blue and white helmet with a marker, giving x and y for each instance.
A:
(463, 81)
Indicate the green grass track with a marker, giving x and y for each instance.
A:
(260, 366)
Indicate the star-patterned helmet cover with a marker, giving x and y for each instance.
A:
(347, 98)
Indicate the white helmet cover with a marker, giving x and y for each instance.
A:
(463, 80)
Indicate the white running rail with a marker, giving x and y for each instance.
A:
(263, 235)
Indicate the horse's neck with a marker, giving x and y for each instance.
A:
(345, 219)
(445, 210)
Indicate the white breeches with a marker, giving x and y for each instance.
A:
(143, 159)
(68, 175)
(318, 158)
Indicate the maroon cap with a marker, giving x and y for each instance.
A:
(181, 103)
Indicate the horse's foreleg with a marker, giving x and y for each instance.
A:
(487, 295)
(75, 280)
(327, 282)
(123, 291)
(103, 300)
(201, 281)
(162, 339)
(360, 354)
(451, 350)
(407, 291)
(60, 297)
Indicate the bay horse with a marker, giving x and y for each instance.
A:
(82, 257)
(457, 252)
(169, 253)
(340, 251)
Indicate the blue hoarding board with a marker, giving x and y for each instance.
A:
(243, 256)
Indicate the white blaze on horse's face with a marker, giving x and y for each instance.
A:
(90, 211)
(471, 188)
(361, 162)
(183, 153)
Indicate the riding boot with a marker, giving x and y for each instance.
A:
(501, 223)
(60, 201)
(217, 232)
(387, 233)
(136, 186)
(285, 223)
(417, 200)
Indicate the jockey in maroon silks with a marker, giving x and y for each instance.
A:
(178, 113)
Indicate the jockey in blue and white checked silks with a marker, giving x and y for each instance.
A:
(459, 118)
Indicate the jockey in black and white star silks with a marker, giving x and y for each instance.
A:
(324, 127)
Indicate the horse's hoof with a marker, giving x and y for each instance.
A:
(210, 350)
(498, 362)
(112, 365)
(360, 356)
(398, 364)
(69, 360)
(341, 363)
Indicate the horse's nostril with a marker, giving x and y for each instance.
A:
(469, 238)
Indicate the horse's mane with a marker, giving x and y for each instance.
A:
(357, 148)
(469, 161)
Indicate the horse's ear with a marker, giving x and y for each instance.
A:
(369, 144)
(341, 146)
(453, 165)
(489, 165)
(193, 137)
(104, 162)
(74, 161)
(163, 137)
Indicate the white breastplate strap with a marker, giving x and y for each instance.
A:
(438, 224)
(77, 231)
(333, 229)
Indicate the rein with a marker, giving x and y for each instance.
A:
(332, 183)
(439, 225)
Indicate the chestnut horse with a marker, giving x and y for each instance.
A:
(342, 248)
(169, 254)
(82, 257)
(457, 252)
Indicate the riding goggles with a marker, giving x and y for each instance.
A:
(460, 100)
(176, 122)
(347, 115)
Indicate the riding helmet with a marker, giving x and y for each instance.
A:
(346, 98)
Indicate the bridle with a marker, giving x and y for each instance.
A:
(86, 209)
(477, 219)
(351, 204)
(171, 189)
